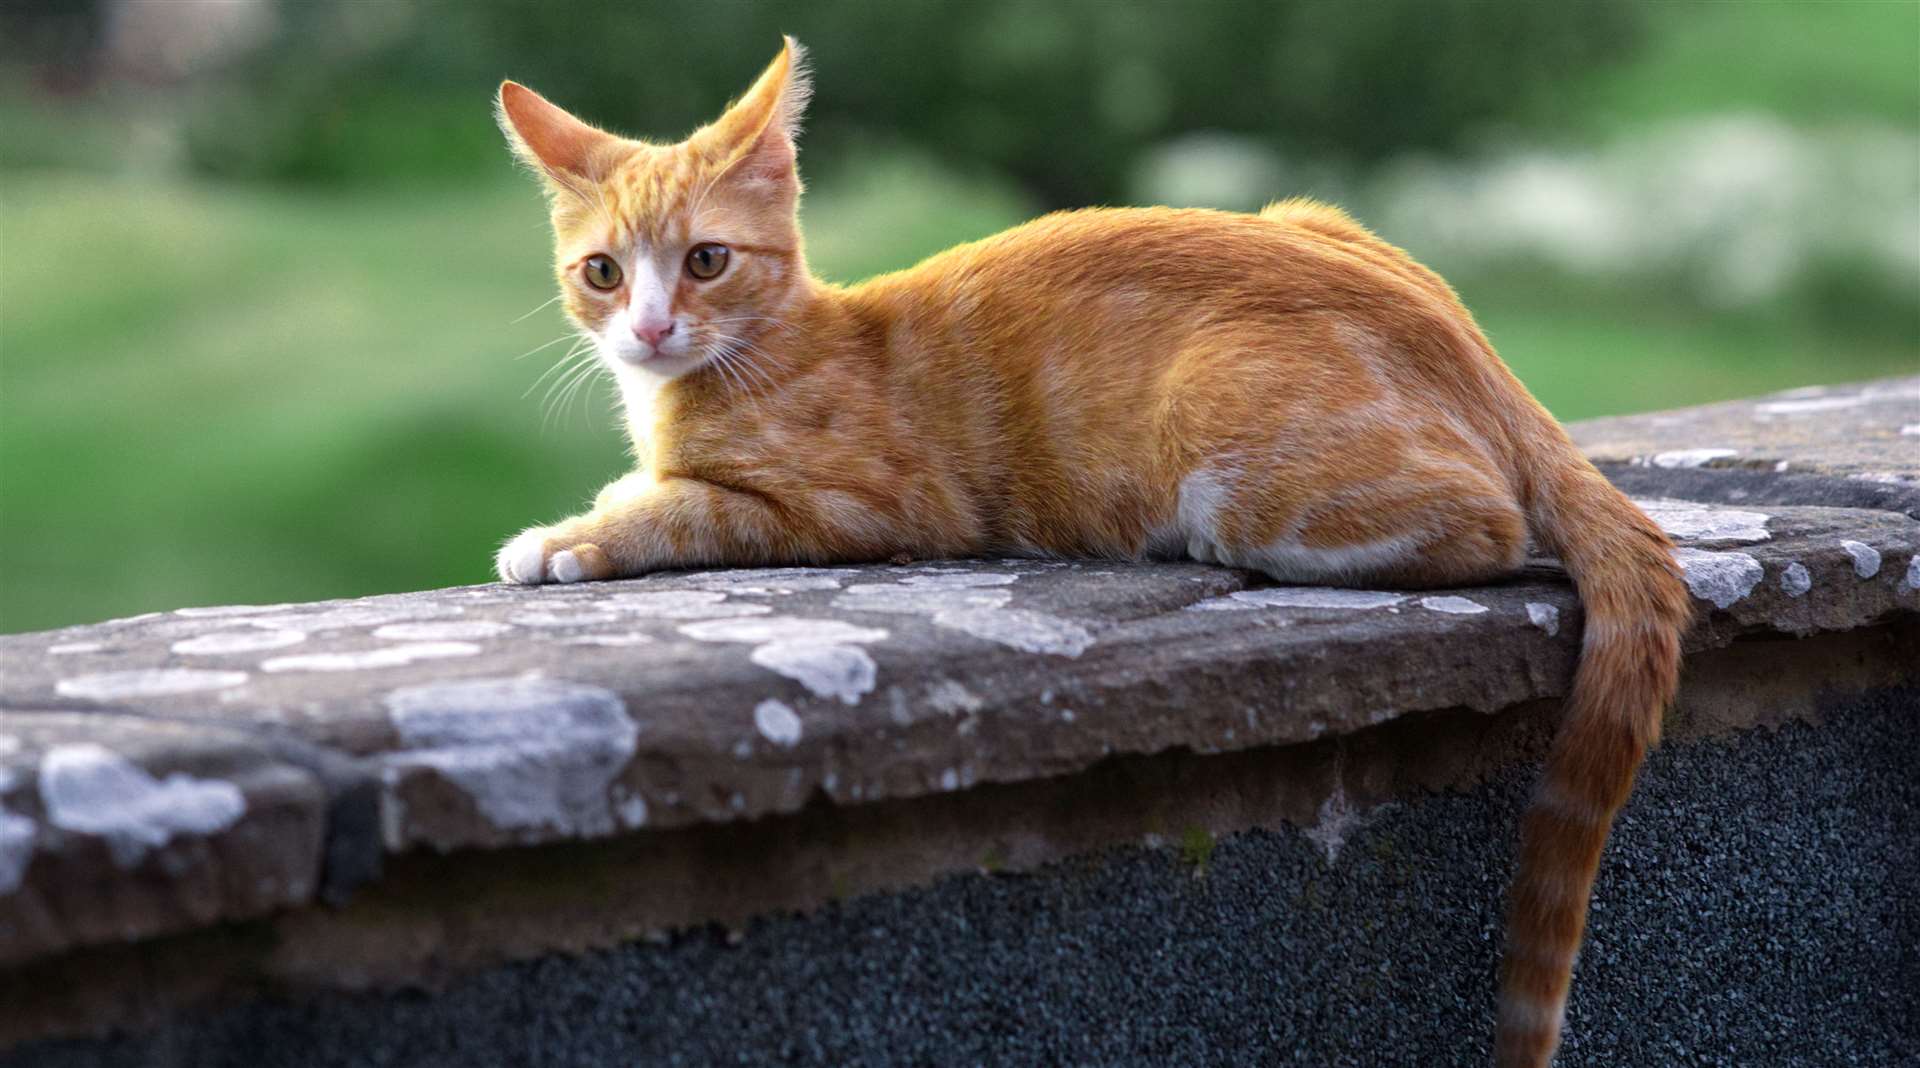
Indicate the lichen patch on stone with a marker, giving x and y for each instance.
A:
(532, 753)
(772, 579)
(682, 604)
(1300, 597)
(353, 616)
(1795, 580)
(957, 580)
(1017, 628)
(781, 628)
(451, 630)
(565, 618)
(89, 789)
(1866, 558)
(610, 640)
(217, 611)
(1691, 457)
(824, 655)
(146, 682)
(777, 723)
(843, 672)
(1700, 522)
(1544, 616)
(384, 657)
(950, 697)
(1459, 606)
(1801, 407)
(1721, 578)
(223, 642)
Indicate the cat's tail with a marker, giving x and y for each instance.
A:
(1637, 608)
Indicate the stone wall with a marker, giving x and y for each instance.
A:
(1195, 814)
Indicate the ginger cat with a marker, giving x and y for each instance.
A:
(1283, 392)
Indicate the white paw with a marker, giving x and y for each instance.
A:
(523, 560)
(565, 567)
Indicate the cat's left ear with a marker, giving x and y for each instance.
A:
(758, 134)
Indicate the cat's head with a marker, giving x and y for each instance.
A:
(670, 254)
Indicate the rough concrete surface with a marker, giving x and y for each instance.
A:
(1757, 907)
(492, 716)
(225, 800)
(1855, 446)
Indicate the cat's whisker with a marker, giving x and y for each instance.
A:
(732, 351)
(556, 407)
(581, 363)
(745, 350)
(565, 363)
(548, 345)
(547, 303)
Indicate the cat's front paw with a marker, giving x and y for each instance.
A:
(524, 559)
(539, 555)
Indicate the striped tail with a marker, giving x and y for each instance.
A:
(1637, 608)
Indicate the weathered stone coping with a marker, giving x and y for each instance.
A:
(166, 773)
(1854, 446)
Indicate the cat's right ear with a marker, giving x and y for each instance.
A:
(548, 139)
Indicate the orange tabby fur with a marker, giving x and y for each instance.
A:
(1281, 391)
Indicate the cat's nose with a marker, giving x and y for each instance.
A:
(653, 331)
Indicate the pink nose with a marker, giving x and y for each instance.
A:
(653, 331)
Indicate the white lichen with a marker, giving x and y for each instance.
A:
(146, 682)
(1795, 580)
(89, 789)
(217, 611)
(453, 630)
(824, 655)
(1721, 578)
(1799, 407)
(1691, 457)
(1866, 558)
(1300, 597)
(1459, 606)
(384, 657)
(1700, 522)
(238, 641)
(532, 753)
(617, 641)
(1544, 616)
(950, 697)
(682, 604)
(777, 723)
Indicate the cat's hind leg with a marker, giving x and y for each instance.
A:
(1432, 521)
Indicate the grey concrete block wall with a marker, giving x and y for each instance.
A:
(1100, 813)
(1740, 920)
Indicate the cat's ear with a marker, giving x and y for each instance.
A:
(548, 139)
(757, 135)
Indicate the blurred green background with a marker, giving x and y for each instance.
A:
(266, 271)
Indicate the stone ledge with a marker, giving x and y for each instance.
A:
(1852, 446)
(167, 773)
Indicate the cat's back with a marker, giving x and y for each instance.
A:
(1294, 255)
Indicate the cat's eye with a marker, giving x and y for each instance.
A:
(601, 272)
(707, 261)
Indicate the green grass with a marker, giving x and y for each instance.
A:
(222, 394)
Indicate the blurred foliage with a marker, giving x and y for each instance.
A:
(1061, 95)
(299, 379)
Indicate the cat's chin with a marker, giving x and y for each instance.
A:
(652, 364)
